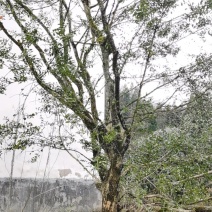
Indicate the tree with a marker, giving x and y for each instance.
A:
(172, 165)
(145, 120)
(57, 45)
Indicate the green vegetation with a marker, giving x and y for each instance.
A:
(171, 165)
(71, 52)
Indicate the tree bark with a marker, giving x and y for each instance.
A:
(110, 186)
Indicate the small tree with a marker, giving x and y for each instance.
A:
(57, 45)
(172, 165)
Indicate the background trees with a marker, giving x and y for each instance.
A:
(176, 159)
(72, 50)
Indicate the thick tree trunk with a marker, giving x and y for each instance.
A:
(110, 187)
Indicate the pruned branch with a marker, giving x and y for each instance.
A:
(193, 177)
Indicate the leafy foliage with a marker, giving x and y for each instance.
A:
(73, 49)
(173, 165)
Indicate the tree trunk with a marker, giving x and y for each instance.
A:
(110, 186)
